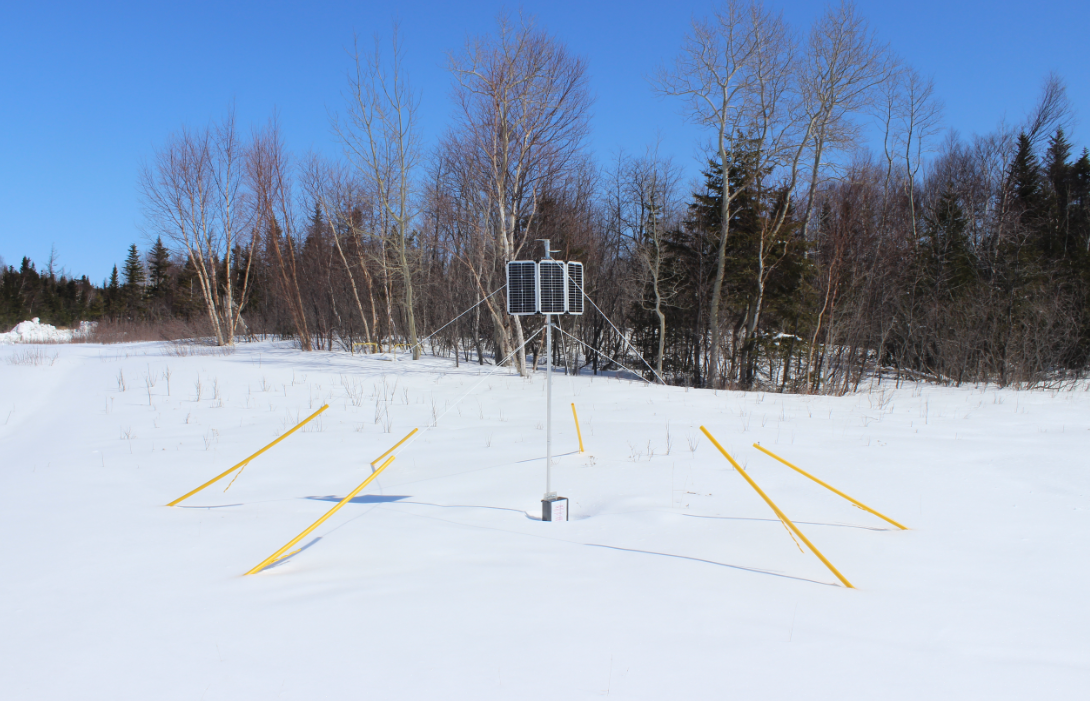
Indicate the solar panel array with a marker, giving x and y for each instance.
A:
(544, 287)
(551, 287)
(575, 288)
(522, 287)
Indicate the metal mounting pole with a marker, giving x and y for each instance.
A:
(548, 392)
(549, 406)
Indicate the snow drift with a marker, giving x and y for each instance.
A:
(34, 331)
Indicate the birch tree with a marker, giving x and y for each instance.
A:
(194, 196)
(648, 207)
(731, 74)
(522, 115)
(381, 140)
(843, 65)
(912, 115)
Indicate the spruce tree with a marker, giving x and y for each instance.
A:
(134, 270)
(135, 279)
(1025, 177)
(1029, 204)
(113, 292)
(1080, 203)
(158, 267)
(952, 264)
(1058, 200)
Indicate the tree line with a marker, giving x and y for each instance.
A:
(799, 262)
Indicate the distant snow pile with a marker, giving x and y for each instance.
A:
(34, 331)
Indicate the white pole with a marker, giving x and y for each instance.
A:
(548, 406)
(548, 392)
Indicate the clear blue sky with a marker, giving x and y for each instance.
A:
(89, 89)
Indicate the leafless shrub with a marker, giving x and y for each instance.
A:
(184, 349)
(32, 356)
(114, 331)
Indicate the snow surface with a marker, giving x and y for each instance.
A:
(673, 580)
(34, 331)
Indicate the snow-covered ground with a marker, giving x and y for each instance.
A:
(673, 580)
(34, 331)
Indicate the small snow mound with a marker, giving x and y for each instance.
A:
(34, 331)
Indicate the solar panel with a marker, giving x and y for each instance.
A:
(552, 282)
(544, 287)
(521, 287)
(575, 288)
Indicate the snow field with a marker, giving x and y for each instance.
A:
(672, 580)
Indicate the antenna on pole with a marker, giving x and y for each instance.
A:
(548, 251)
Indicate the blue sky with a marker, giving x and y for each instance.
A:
(88, 90)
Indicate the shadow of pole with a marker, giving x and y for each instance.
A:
(293, 554)
(713, 562)
(805, 523)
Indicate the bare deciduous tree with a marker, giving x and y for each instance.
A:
(714, 74)
(339, 199)
(381, 140)
(648, 207)
(912, 116)
(844, 63)
(269, 172)
(1052, 111)
(523, 110)
(194, 197)
(737, 72)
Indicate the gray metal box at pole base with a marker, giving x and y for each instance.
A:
(554, 509)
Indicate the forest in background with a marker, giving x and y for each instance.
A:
(801, 262)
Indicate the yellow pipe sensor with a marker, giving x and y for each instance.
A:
(831, 488)
(577, 431)
(396, 446)
(279, 554)
(247, 460)
(776, 509)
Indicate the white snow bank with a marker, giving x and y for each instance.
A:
(34, 331)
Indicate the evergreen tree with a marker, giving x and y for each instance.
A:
(158, 268)
(134, 271)
(1058, 170)
(187, 300)
(1080, 203)
(1026, 256)
(1025, 181)
(12, 296)
(113, 293)
(951, 265)
(689, 268)
(135, 279)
